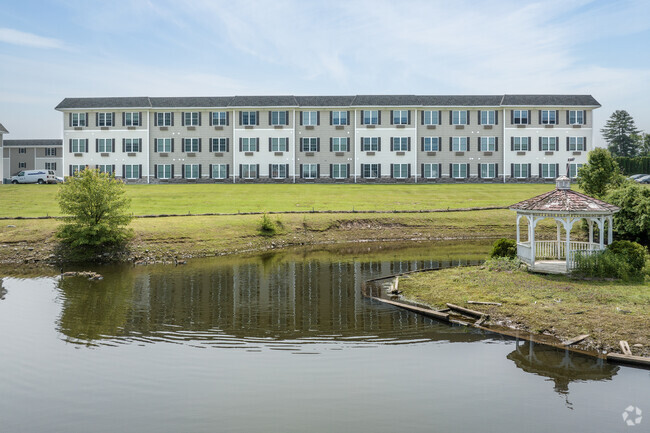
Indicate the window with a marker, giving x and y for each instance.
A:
(520, 144)
(50, 166)
(576, 117)
(248, 118)
(487, 144)
(431, 171)
(132, 119)
(74, 169)
(488, 171)
(105, 168)
(459, 117)
(459, 171)
(132, 171)
(279, 117)
(488, 117)
(132, 145)
(164, 145)
(459, 144)
(191, 171)
(219, 145)
(548, 171)
(22, 165)
(50, 151)
(430, 117)
(520, 117)
(164, 171)
(164, 119)
(104, 145)
(78, 145)
(248, 144)
(310, 144)
(339, 171)
(248, 171)
(310, 171)
(548, 144)
(279, 144)
(219, 171)
(401, 171)
(576, 143)
(548, 117)
(400, 117)
(430, 144)
(370, 117)
(400, 144)
(573, 170)
(191, 145)
(104, 119)
(219, 118)
(310, 118)
(370, 144)
(78, 119)
(22, 150)
(279, 171)
(340, 118)
(520, 170)
(340, 144)
(369, 171)
(192, 118)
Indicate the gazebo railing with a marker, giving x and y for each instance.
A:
(583, 252)
(552, 250)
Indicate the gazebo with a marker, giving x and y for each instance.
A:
(566, 207)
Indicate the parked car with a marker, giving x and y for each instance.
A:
(644, 179)
(636, 176)
(34, 176)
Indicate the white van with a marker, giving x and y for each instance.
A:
(34, 176)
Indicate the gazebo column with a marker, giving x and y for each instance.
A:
(610, 230)
(518, 236)
(567, 246)
(601, 229)
(591, 232)
(531, 237)
(559, 238)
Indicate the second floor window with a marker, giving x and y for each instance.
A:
(370, 144)
(520, 117)
(132, 119)
(430, 144)
(164, 145)
(340, 118)
(279, 118)
(310, 118)
(104, 145)
(459, 144)
(400, 144)
(191, 145)
(78, 119)
(310, 144)
(340, 144)
(400, 117)
(459, 117)
(78, 145)
(548, 144)
(488, 117)
(370, 117)
(22, 150)
(50, 151)
(132, 145)
(548, 117)
(487, 144)
(520, 144)
(192, 118)
(219, 145)
(248, 144)
(576, 144)
(279, 144)
(104, 119)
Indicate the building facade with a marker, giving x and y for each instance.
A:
(363, 138)
(32, 155)
(3, 131)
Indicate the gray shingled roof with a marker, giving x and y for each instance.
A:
(264, 101)
(193, 102)
(123, 102)
(33, 143)
(386, 100)
(324, 101)
(461, 100)
(3, 130)
(564, 200)
(549, 100)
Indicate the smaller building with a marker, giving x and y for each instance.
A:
(32, 155)
(3, 130)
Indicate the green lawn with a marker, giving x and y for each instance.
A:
(40, 200)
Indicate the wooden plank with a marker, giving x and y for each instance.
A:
(464, 310)
(629, 359)
(625, 348)
(480, 321)
(430, 313)
(484, 303)
(575, 340)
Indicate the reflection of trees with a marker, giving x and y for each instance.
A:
(3, 291)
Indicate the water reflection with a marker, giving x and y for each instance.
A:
(3, 291)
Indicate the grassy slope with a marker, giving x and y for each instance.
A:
(557, 304)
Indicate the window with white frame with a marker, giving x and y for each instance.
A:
(370, 144)
(488, 171)
(104, 145)
(50, 151)
(548, 117)
(131, 171)
(22, 150)
(132, 145)
(132, 119)
(339, 117)
(370, 171)
(370, 117)
(488, 117)
(164, 119)
(279, 118)
(577, 144)
(520, 171)
(310, 171)
(400, 117)
(248, 144)
(104, 119)
(487, 144)
(339, 171)
(459, 144)
(219, 171)
(191, 171)
(520, 117)
(50, 166)
(458, 171)
(549, 171)
(78, 119)
(459, 117)
(279, 171)
(549, 144)
(219, 118)
(22, 165)
(431, 171)
(279, 144)
(576, 117)
(431, 117)
(309, 144)
(163, 145)
(78, 145)
(105, 168)
(400, 171)
(74, 169)
(248, 118)
(400, 144)
(340, 144)
(431, 144)
(164, 171)
(573, 170)
(249, 171)
(219, 144)
(520, 144)
(190, 145)
(310, 118)
(192, 118)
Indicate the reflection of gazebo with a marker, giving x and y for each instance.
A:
(567, 207)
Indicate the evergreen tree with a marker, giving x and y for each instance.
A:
(618, 133)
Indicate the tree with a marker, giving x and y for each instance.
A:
(632, 222)
(618, 133)
(98, 209)
(642, 143)
(600, 174)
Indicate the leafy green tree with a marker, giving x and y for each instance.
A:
(600, 174)
(618, 132)
(632, 222)
(97, 206)
(643, 144)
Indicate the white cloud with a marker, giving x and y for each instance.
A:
(16, 37)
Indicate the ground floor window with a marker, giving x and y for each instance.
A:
(219, 171)
(22, 165)
(488, 171)
(369, 171)
(573, 170)
(310, 171)
(74, 169)
(520, 171)
(430, 171)
(192, 171)
(401, 171)
(549, 171)
(164, 171)
(105, 168)
(248, 171)
(131, 171)
(279, 171)
(459, 171)
(50, 166)
(339, 171)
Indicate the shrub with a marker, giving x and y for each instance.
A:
(504, 248)
(267, 226)
(632, 221)
(633, 253)
(622, 259)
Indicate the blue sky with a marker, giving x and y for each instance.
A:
(70, 48)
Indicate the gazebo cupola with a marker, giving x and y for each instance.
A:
(566, 207)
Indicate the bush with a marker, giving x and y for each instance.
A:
(633, 253)
(267, 227)
(622, 259)
(632, 221)
(503, 264)
(504, 248)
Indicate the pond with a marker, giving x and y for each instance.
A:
(282, 342)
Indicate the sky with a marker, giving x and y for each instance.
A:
(50, 50)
